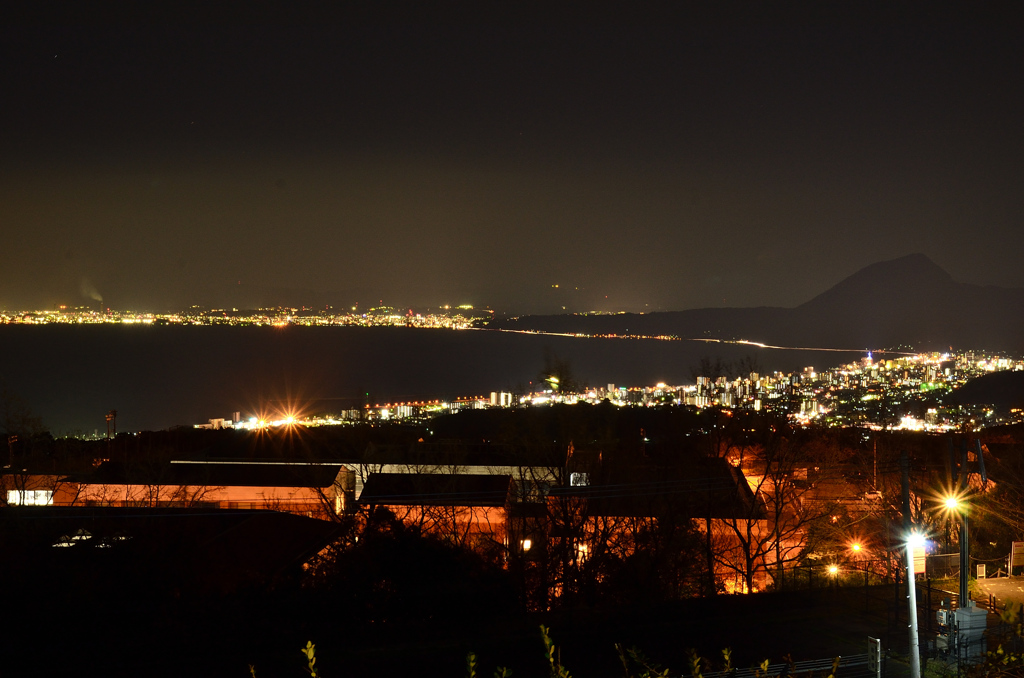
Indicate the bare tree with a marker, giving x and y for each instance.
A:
(773, 533)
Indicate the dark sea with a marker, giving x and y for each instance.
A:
(157, 377)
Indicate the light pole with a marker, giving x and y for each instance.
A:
(857, 549)
(914, 540)
(970, 620)
(955, 505)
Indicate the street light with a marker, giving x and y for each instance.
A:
(914, 540)
(833, 572)
(956, 504)
(969, 621)
(858, 554)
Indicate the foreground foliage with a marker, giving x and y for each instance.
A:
(1004, 661)
(634, 663)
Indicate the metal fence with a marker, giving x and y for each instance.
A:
(851, 666)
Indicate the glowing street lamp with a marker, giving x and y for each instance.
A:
(914, 541)
(956, 504)
(858, 554)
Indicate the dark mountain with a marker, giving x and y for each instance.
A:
(1005, 390)
(908, 301)
(914, 274)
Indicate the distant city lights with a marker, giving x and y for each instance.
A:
(873, 395)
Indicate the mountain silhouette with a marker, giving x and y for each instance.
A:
(909, 301)
(914, 275)
(1004, 390)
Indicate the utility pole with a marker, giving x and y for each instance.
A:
(965, 559)
(969, 620)
(874, 463)
(905, 487)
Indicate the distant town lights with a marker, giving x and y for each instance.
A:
(870, 397)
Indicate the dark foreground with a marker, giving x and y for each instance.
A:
(115, 633)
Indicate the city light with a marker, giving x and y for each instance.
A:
(866, 394)
(463, 317)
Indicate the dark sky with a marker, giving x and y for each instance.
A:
(657, 161)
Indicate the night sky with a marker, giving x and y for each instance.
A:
(662, 161)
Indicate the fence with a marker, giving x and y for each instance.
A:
(875, 593)
(852, 666)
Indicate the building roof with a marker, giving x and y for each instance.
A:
(436, 489)
(215, 474)
(712, 489)
(458, 453)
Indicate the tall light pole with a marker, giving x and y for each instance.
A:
(970, 620)
(959, 507)
(914, 540)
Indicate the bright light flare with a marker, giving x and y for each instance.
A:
(915, 540)
(952, 502)
(833, 570)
